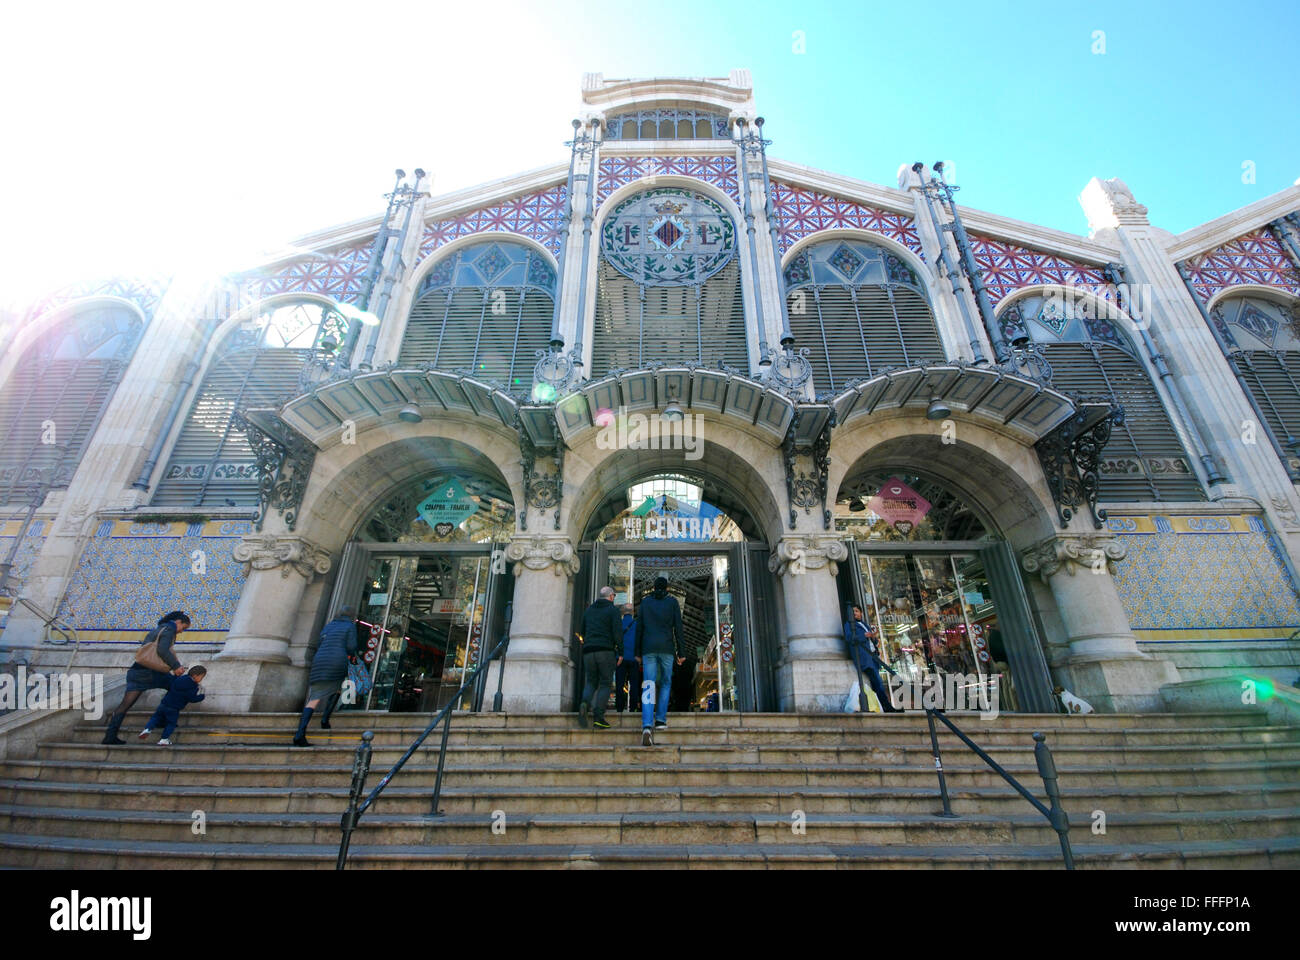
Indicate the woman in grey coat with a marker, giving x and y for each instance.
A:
(329, 668)
(140, 678)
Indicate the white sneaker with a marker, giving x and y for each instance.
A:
(647, 737)
(144, 733)
(164, 742)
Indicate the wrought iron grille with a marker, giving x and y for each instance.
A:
(57, 394)
(668, 124)
(858, 310)
(256, 365)
(488, 308)
(1090, 356)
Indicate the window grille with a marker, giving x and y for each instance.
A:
(256, 365)
(487, 308)
(668, 124)
(1263, 338)
(668, 285)
(859, 310)
(56, 395)
(1090, 357)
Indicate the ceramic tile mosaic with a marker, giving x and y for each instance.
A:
(130, 573)
(1256, 257)
(28, 550)
(1008, 267)
(616, 172)
(143, 293)
(802, 212)
(1203, 573)
(538, 215)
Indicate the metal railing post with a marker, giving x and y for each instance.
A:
(360, 770)
(442, 760)
(938, 766)
(1056, 813)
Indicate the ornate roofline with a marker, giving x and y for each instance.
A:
(1215, 233)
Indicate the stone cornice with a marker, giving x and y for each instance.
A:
(981, 222)
(270, 552)
(539, 552)
(1066, 552)
(1228, 227)
(795, 555)
(721, 91)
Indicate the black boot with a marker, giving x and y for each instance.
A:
(110, 735)
(330, 704)
(300, 738)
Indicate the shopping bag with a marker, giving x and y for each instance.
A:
(360, 678)
(851, 701)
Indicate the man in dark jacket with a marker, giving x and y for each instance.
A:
(140, 678)
(659, 641)
(861, 641)
(627, 678)
(602, 636)
(329, 667)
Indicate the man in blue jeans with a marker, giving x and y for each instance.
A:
(659, 640)
(861, 641)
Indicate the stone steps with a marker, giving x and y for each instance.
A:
(720, 791)
(610, 829)
(611, 751)
(76, 852)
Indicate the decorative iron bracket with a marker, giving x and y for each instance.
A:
(1071, 459)
(284, 463)
(807, 489)
(541, 490)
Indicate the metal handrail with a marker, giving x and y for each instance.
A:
(361, 761)
(1055, 813)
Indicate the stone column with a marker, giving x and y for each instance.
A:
(816, 674)
(1104, 664)
(254, 671)
(538, 671)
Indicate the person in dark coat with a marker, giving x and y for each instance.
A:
(602, 640)
(861, 641)
(329, 668)
(140, 678)
(659, 642)
(627, 677)
(184, 691)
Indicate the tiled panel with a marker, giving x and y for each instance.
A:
(803, 212)
(1007, 267)
(1256, 257)
(28, 550)
(131, 573)
(143, 293)
(1211, 573)
(615, 172)
(538, 216)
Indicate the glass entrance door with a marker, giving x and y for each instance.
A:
(935, 617)
(425, 615)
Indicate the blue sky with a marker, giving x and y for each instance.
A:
(152, 136)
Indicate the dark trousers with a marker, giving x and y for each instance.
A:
(167, 719)
(627, 673)
(598, 666)
(867, 664)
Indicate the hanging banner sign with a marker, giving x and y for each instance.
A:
(447, 507)
(899, 505)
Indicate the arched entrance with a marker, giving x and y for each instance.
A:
(685, 527)
(426, 574)
(938, 587)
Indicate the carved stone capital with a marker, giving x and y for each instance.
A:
(541, 553)
(1065, 553)
(267, 552)
(800, 554)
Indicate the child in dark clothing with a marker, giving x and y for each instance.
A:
(184, 690)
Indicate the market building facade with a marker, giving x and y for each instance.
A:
(1027, 455)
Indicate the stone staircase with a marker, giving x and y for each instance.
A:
(1186, 790)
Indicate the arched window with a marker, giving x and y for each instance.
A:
(487, 308)
(1090, 356)
(257, 364)
(859, 310)
(1263, 339)
(668, 284)
(56, 395)
(681, 123)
